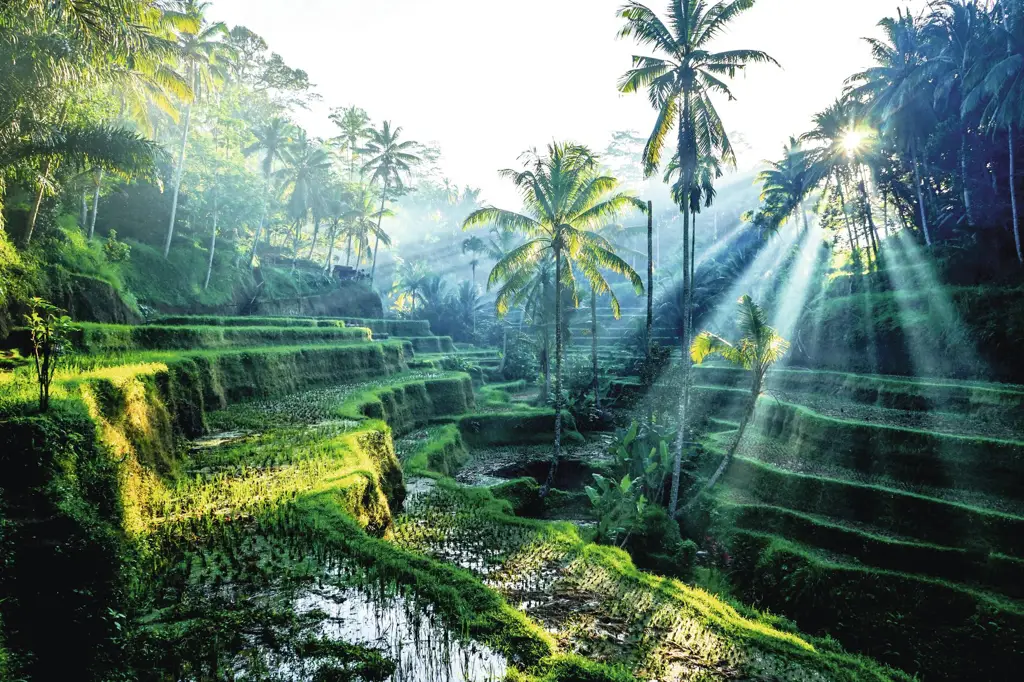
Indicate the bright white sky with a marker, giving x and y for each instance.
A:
(487, 79)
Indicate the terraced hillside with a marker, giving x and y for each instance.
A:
(212, 497)
(886, 512)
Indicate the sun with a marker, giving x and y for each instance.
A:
(854, 140)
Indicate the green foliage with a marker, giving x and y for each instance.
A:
(926, 627)
(641, 452)
(115, 251)
(618, 507)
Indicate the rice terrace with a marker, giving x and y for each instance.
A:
(542, 341)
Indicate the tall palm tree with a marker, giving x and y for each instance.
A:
(679, 84)
(565, 198)
(474, 245)
(894, 93)
(829, 160)
(998, 90)
(785, 185)
(412, 282)
(354, 124)
(337, 207)
(758, 349)
(272, 140)
(113, 149)
(499, 245)
(390, 159)
(204, 58)
(305, 174)
(363, 222)
(954, 25)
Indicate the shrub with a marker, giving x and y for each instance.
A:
(115, 251)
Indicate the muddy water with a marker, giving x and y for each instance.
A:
(422, 649)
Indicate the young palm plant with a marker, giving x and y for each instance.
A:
(679, 84)
(758, 349)
(566, 198)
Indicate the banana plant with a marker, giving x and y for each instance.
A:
(617, 506)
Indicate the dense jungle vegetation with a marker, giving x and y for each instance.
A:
(280, 406)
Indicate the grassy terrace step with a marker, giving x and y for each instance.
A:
(674, 631)
(924, 518)
(995, 572)
(785, 433)
(242, 321)
(430, 344)
(404, 328)
(928, 627)
(107, 338)
(515, 427)
(887, 391)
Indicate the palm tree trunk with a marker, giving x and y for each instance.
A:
(685, 125)
(376, 243)
(963, 177)
(34, 214)
(348, 252)
(504, 345)
(263, 219)
(316, 234)
(295, 242)
(1013, 195)
(650, 276)
(872, 234)
(177, 180)
(842, 206)
(693, 267)
(95, 203)
(593, 344)
(734, 446)
(213, 247)
(557, 455)
(328, 262)
(920, 194)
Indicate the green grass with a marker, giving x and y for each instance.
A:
(924, 626)
(918, 516)
(430, 344)
(660, 613)
(402, 328)
(105, 338)
(924, 458)
(516, 427)
(440, 450)
(241, 321)
(995, 572)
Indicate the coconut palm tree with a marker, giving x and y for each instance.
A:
(390, 159)
(354, 125)
(896, 100)
(565, 198)
(830, 159)
(204, 58)
(305, 173)
(363, 222)
(113, 149)
(997, 89)
(474, 245)
(272, 140)
(785, 185)
(759, 347)
(412, 281)
(679, 83)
